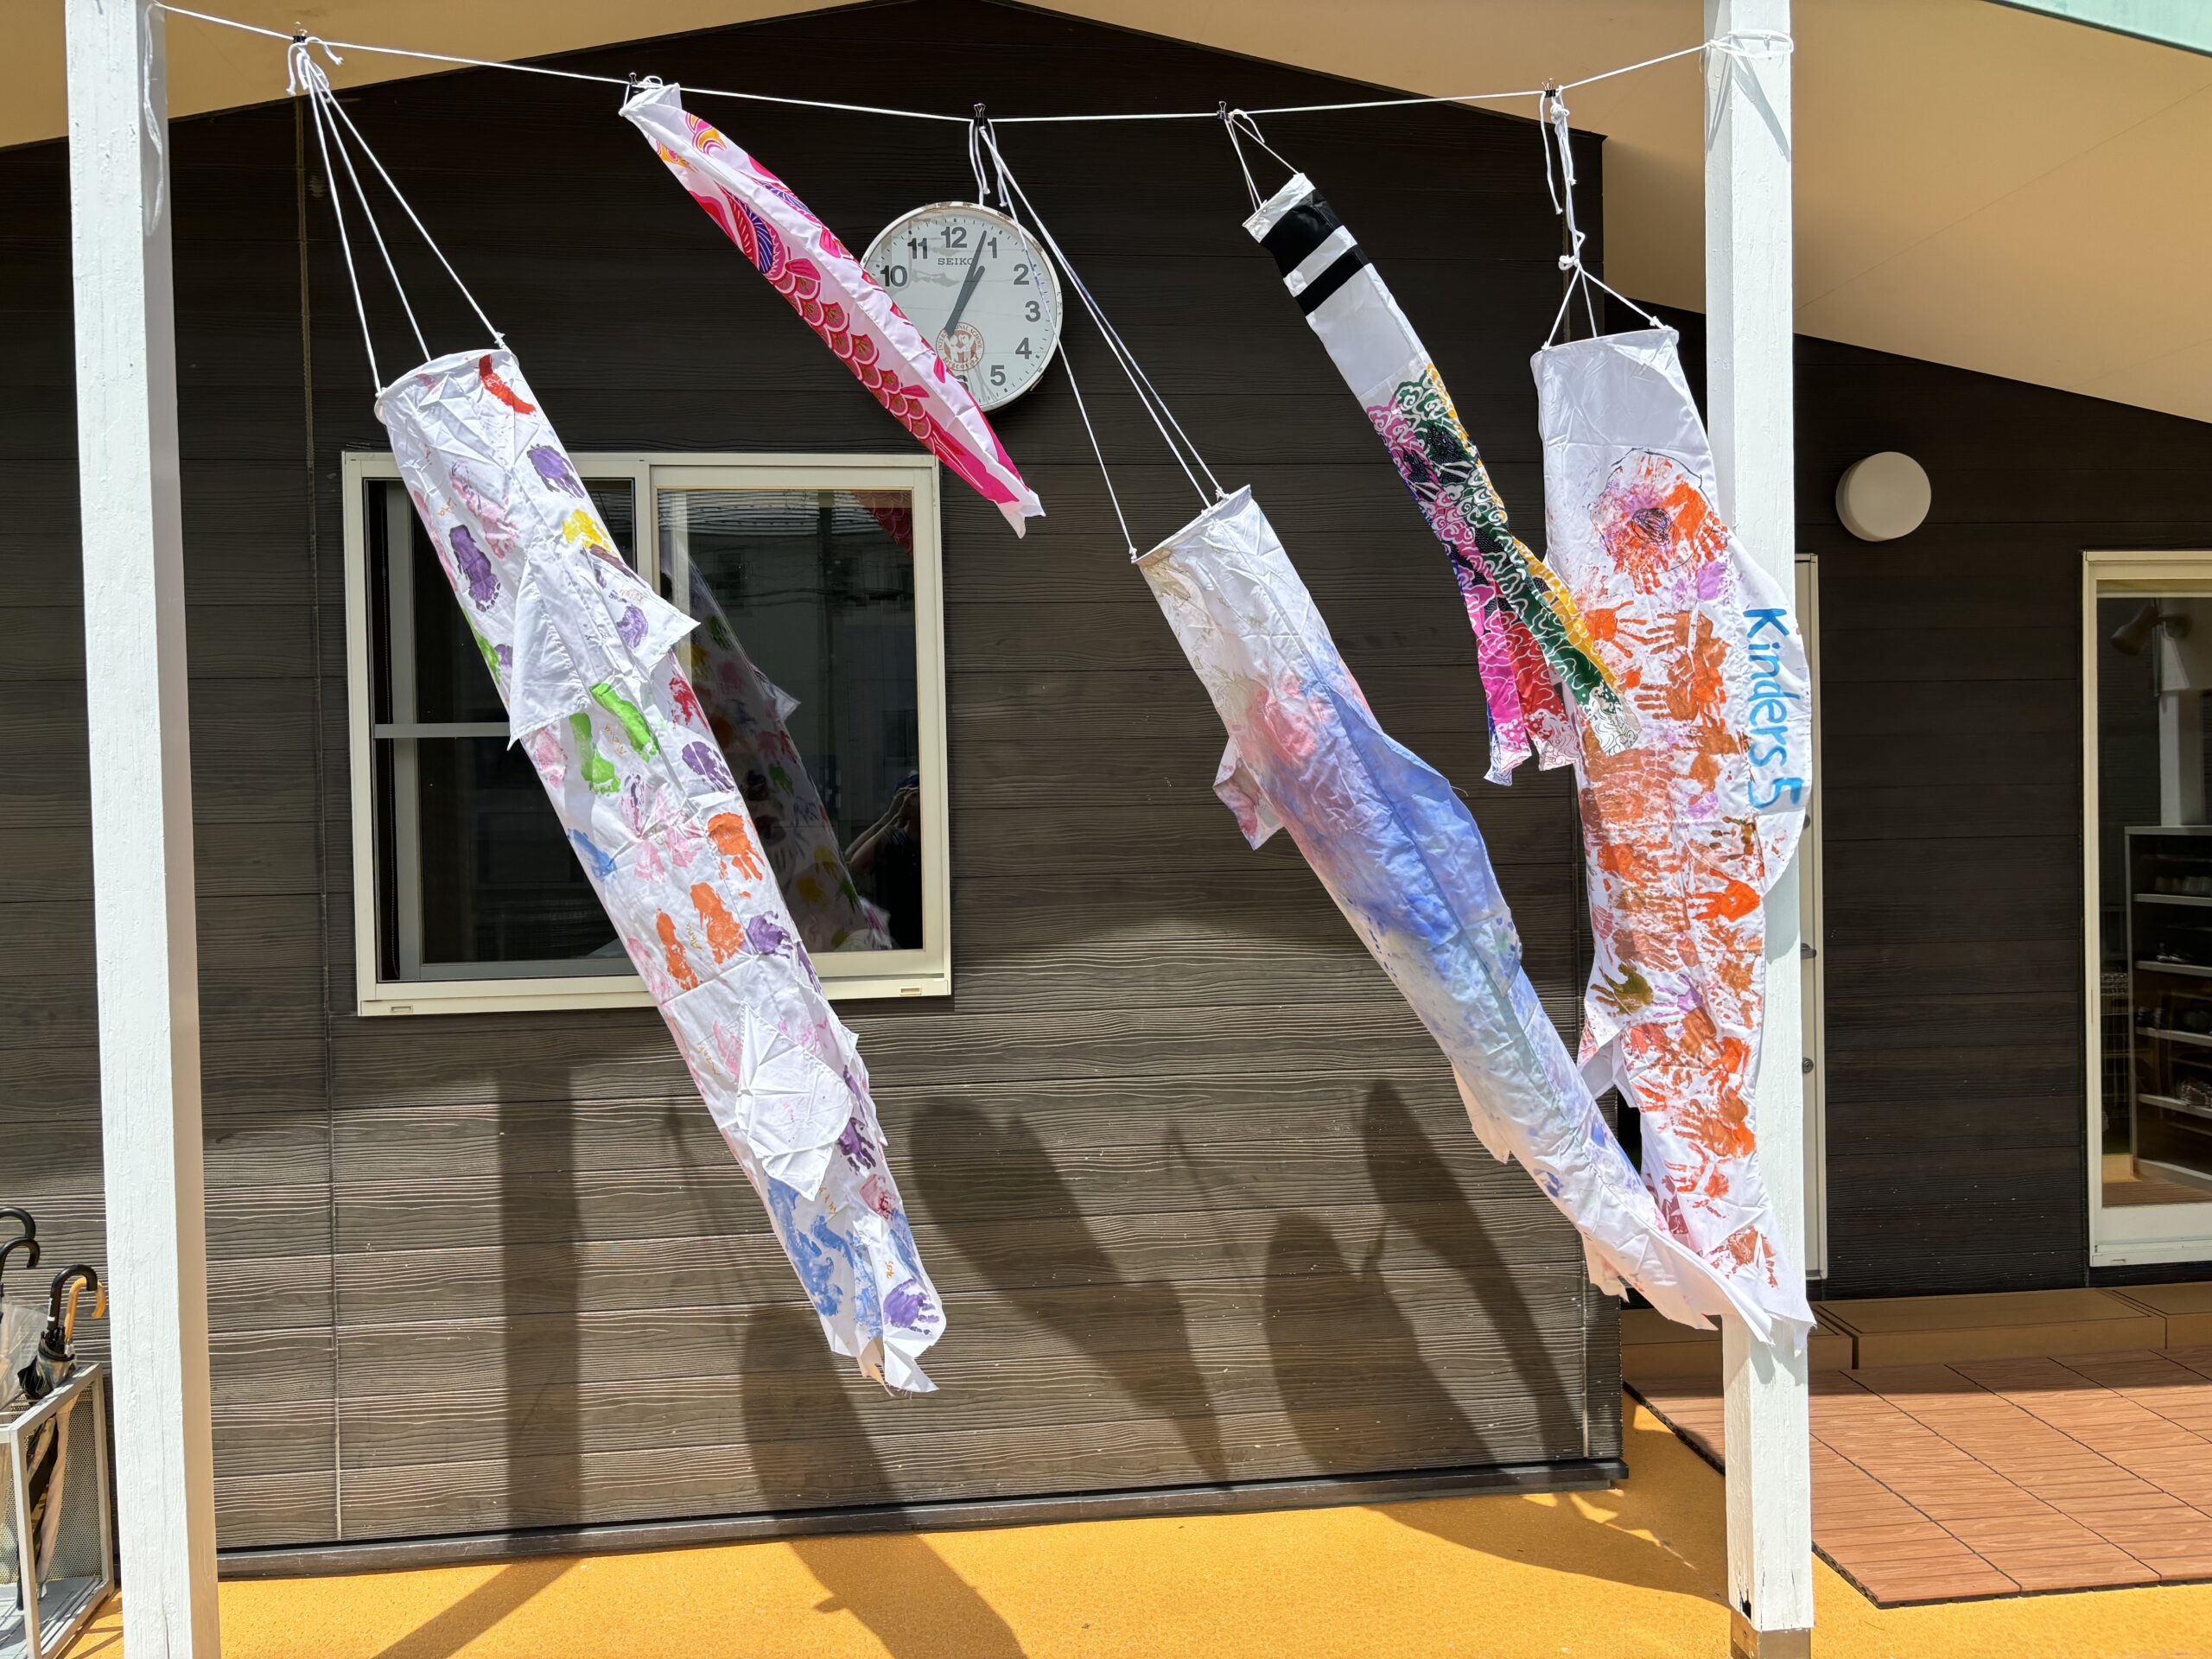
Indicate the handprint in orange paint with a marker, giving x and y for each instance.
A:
(734, 840)
(679, 966)
(724, 937)
(1731, 904)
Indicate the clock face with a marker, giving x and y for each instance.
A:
(979, 289)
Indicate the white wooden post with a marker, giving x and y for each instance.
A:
(1748, 315)
(142, 910)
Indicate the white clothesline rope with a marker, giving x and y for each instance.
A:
(1742, 44)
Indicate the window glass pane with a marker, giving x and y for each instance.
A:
(473, 874)
(805, 664)
(500, 883)
(2154, 670)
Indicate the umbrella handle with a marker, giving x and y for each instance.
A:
(27, 1245)
(61, 1308)
(9, 1212)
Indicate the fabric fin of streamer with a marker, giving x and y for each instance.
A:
(587, 656)
(1397, 851)
(1530, 641)
(1686, 833)
(832, 293)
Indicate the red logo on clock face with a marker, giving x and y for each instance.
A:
(961, 349)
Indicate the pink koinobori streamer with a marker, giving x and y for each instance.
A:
(585, 657)
(806, 263)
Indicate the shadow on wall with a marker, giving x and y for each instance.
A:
(1051, 1267)
(541, 1228)
(1347, 1363)
(1419, 1192)
(810, 1450)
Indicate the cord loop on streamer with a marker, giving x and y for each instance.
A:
(1234, 121)
(1553, 129)
(1163, 418)
(332, 125)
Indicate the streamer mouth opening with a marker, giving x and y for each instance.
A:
(439, 365)
(1665, 334)
(1233, 502)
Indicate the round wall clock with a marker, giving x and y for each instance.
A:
(981, 291)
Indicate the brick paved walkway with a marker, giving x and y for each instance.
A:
(1997, 1478)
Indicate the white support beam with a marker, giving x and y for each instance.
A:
(1749, 407)
(142, 910)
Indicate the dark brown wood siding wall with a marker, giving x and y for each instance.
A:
(1195, 1186)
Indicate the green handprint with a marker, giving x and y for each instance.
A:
(633, 718)
(599, 772)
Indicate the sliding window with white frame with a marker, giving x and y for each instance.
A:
(819, 663)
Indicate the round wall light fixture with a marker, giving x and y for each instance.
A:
(1883, 496)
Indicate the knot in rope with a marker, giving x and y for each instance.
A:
(1748, 45)
(301, 73)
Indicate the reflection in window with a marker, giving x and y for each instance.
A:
(473, 876)
(2154, 670)
(805, 665)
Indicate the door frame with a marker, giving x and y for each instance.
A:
(2150, 1233)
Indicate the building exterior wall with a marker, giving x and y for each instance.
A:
(1196, 1186)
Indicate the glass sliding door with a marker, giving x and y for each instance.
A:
(2147, 789)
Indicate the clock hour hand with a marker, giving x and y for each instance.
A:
(966, 289)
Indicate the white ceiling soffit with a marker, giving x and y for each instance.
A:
(1977, 184)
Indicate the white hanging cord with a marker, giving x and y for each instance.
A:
(1130, 365)
(1120, 352)
(1229, 127)
(1233, 122)
(305, 74)
(559, 74)
(339, 109)
(1742, 44)
(1147, 394)
(1580, 277)
(1067, 362)
(977, 137)
(1745, 45)
(345, 242)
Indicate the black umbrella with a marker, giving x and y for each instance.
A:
(26, 1241)
(18, 1326)
(46, 1455)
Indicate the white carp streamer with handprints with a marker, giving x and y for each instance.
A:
(584, 654)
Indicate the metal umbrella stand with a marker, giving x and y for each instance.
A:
(61, 1552)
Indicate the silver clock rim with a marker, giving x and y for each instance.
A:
(1042, 258)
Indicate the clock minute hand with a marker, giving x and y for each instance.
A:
(967, 288)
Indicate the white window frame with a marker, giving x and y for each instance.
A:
(845, 976)
(2151, 1232)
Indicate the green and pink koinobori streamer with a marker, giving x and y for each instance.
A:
(1398, 851)
(584, 654)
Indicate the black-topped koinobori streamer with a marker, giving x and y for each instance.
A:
(1530, 638)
